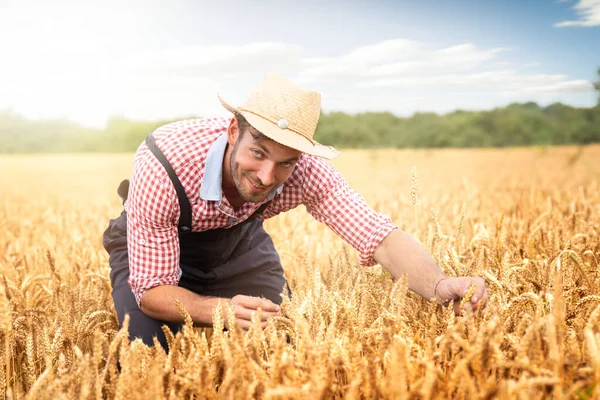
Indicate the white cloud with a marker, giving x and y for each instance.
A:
(438, 79)
(588, 12)
(393, 57)
(185, 81)
(218, 60)
(498, 78)
(577, 86)
(358, 61)
(455, 69)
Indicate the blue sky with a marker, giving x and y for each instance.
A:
(155, 59)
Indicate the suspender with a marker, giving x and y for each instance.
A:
(185, 216)
(258, 211)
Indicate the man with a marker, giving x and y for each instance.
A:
(200, 189)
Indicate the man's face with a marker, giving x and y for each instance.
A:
(259, 165)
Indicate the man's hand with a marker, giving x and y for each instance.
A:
(454, 289)
(245, 307)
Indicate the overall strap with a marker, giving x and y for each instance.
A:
(185, 215)
(258, 213)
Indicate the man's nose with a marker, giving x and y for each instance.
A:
(267, 174)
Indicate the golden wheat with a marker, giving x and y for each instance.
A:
(527, 221)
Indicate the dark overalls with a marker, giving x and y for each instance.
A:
(219, 262)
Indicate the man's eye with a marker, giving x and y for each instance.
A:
(287, 164)
(257, 153)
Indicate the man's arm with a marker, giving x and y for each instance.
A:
(159, 303)
(330, 200)
(401, 254)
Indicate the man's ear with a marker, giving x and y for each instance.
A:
(233, 131)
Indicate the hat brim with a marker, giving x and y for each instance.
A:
(285, 137)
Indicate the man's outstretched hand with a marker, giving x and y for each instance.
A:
(245, 307)
(454, 289)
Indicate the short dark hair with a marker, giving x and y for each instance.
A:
(242, 123)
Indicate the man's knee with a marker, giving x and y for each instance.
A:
(146, 328)
(141, 326)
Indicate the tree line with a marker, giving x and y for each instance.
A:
(518, 124)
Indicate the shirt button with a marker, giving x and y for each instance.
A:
(143, 241)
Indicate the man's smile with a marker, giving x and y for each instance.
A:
(255, 187)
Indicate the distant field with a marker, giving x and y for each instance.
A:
(527, 220)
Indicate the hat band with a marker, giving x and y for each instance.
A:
(299, 132)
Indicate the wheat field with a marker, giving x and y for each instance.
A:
(526, 220)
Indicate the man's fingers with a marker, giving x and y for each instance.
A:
(480, 300)
(457, 288)
(479, 289)
(482, 305)
(256, 303)
(247, 307)
(244, 301)
(244, 313)
(245, 325)
(268, 305)
(456, 307)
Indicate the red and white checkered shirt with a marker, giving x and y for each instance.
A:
(153, 209)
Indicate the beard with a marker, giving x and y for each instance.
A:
(238, 179)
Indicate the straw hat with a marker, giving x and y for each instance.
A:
(286, 113)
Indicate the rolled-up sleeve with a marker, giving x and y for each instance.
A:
(329, 199)
(152, 239)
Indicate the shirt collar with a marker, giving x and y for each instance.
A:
(210, 188)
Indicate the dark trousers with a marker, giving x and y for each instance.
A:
(219, 263)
